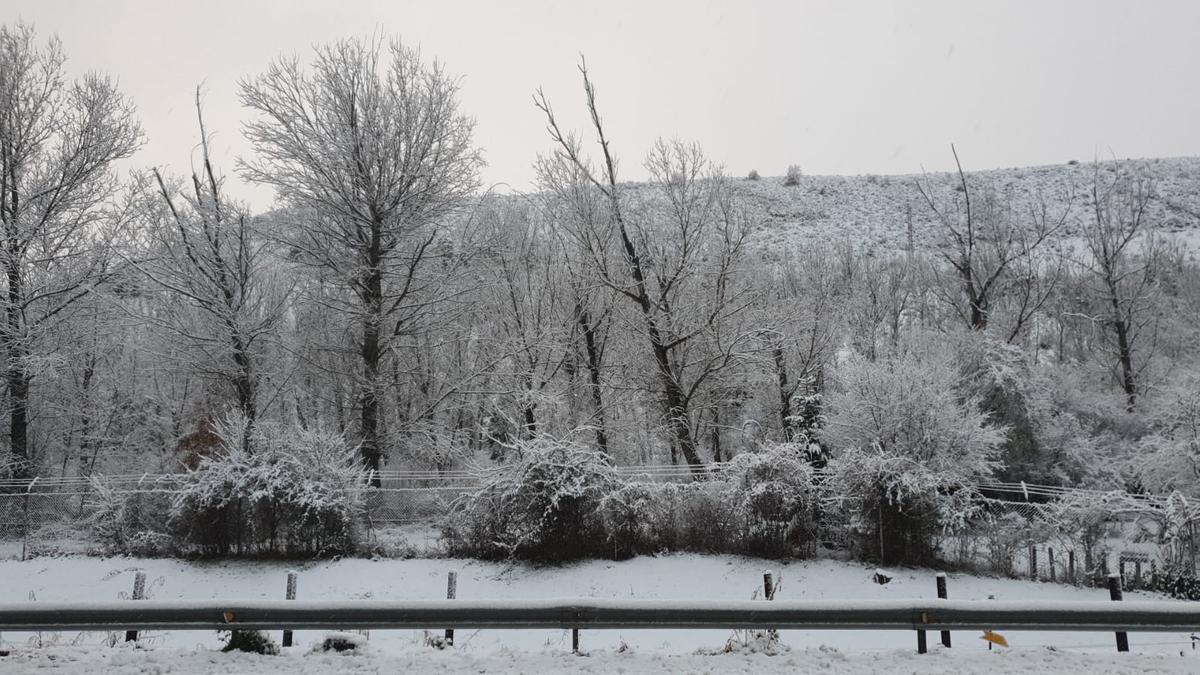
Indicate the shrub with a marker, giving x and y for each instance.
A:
(793, 176)
(288, 491)
(253, 641)
(762, 503)
(894, 507)
(542, 507)
(775, 497)
(130, 523)
(753, 175)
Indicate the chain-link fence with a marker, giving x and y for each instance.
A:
(1019, 529)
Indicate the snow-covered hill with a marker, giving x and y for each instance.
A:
(872, 210)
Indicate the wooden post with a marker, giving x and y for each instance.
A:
(943, 595)
(290, 594)
(451, 592)
(1121, 571)
(1050, 563)
(768, 586)
(139, 592)
(1114, 593)
(1033, 562)
(1071, 567)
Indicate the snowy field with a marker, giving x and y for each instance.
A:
(689, 577)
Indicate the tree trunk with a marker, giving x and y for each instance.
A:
(785, 395)
(16, 376)
(592, 349)
(372, 296)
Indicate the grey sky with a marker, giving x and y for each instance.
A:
(836, 87)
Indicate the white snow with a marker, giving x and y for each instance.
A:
(675, 577)
(123, 660)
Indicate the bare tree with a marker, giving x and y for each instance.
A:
(58, 142)
(982, 241)
(371, 148)
(1122, 260)
(673, 259)
(205, 255)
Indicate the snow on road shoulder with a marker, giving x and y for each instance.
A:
(123, 660)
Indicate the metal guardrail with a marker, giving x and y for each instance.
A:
(589, 613)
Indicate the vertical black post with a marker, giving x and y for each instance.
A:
(574, 640)
(1121, 571)
(943, 595)
(290, 594)
(922, 647)
(1154, 576)
(768, 586)
(1033, 562)
(451, 592)
(139, 592)
(1071, 567)
(1050, 563)
(1114, 592)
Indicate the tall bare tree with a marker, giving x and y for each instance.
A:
(205, 255)
(981, 242)
(371, 148)
(1122, 259)
(672, 257)
(58, 142)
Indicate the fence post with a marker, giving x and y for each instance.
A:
(451, 592)
(290, 595)
(1071, 567)
(1137, 574)
(139, 592)
(1033, 562)
(943, 595)
(768, 586)
(1121, 571)
(1114, 593)
(28, 523)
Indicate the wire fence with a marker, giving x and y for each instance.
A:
(411, 503)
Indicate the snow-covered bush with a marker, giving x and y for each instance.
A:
(290, 491)
(761, 503)
(130, 523)
(775, 496)
(543, 506)
(753, 175)
(908, 447)
(636, 519)
(793, 175)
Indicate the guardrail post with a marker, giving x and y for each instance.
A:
(139, 592)
(943, 595)
(451, 592)
(1114, 593)
(290, 595)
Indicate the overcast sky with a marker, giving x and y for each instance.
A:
(835, 87)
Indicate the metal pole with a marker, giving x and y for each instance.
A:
(290, 595)
(1114, 593)
(139, 592)
(943, 595)
(451, 592)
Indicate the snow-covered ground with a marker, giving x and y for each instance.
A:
(691, 577)
(126, 661)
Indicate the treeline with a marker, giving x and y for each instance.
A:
(389, 299)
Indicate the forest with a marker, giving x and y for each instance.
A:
(391, 312)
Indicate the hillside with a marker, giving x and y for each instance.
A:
(871, 209)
